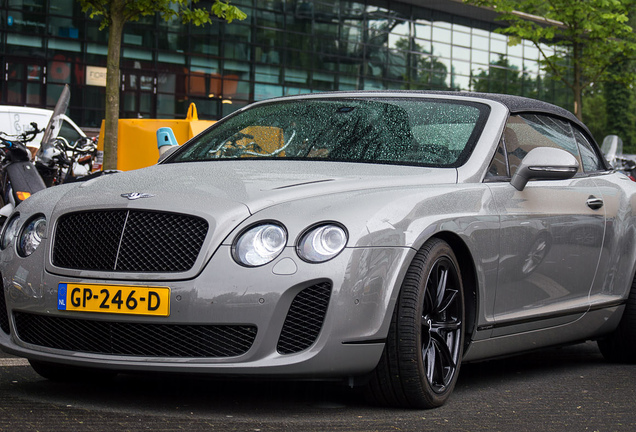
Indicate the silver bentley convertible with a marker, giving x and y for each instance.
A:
(379, 238)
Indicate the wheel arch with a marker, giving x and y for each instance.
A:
(468, 273)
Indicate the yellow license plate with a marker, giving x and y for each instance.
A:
(134, 300)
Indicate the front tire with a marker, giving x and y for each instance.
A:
(620, 346)
(421, 360)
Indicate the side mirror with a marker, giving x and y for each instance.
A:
(545, 163)
(612, 148)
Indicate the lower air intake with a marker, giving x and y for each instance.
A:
(304, 319)
(134, 339)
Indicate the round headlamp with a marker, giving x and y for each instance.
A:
(259, 245)
(10, 231)
(322, 243)
(31, 236)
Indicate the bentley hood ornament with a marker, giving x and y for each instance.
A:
(136, 195)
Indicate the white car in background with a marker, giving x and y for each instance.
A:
(15, 120)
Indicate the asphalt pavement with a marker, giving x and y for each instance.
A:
(566, 389)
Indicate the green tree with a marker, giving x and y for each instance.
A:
(621, 119)
(595, 114)
(114, 15)
(587, 36)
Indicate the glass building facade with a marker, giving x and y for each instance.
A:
(284, 47)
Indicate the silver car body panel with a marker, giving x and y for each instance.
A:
(561, 240)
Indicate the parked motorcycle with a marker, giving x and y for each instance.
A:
(19, 178)
(64, 162)
(612, 148)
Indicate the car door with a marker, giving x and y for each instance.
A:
(614, 275)
(551, 234)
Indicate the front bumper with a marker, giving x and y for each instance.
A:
(363, 284)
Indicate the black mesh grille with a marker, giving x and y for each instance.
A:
(135, 339)
(4, 316)
(128, 241)
(304, 319)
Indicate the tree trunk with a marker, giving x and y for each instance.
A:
(112, 83)
(577, 88)
(578, 100)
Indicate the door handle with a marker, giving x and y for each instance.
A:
(594, 203)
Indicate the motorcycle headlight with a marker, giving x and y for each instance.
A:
(322, 243)
(9, 232)
(31, 236)
(259, 245)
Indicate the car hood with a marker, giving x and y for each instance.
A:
(228, 193)
(211, 186)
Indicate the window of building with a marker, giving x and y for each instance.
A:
(312, 45)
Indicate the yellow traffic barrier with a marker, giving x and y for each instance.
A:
(137, 139)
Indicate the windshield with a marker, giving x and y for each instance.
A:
(405, 131)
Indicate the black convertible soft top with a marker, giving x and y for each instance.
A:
(515, 104)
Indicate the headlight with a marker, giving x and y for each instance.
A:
(31, 236)
(9, 232)
(322, 243)
(260, 245)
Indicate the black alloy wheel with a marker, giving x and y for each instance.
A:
(423, 352)
(442, 325)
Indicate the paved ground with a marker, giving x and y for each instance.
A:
(568, 389)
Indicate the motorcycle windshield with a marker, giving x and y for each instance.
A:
(55, 123)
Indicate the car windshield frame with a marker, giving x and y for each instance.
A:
(394, 130)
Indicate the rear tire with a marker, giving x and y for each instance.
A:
(620, 346)
(422, 356)
(3, 219)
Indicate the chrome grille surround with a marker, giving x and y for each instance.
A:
(128, 241)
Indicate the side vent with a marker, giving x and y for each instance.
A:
(304, 319)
